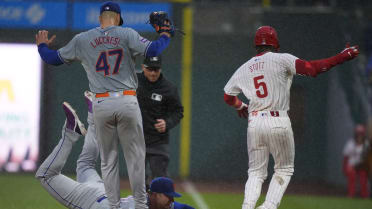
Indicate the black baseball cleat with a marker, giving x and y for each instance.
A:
(72, 120)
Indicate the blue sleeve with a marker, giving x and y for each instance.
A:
(156, 47)
(178, 205)
(48, 55)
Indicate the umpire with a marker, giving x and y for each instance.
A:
(161, 111)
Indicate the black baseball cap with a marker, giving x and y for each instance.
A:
(152, 62)
(165, 186)
(113, 7)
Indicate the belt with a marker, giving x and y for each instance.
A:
(116, 94)
(268, 113)
(101, 198)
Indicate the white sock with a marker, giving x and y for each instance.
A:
(252, 192)
(277, 187)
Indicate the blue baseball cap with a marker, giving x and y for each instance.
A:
(113, 7)
(164, 185)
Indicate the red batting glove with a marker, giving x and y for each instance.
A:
(243, 110)
(349, 52)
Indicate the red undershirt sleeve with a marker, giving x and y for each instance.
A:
(232, 100)
(315, 67)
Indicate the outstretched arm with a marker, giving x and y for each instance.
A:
(156, 47)
(163, 26)
(315, 67)
(49, 56)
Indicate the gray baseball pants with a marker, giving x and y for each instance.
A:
(86, 193)
(87, 161)
(118, 120)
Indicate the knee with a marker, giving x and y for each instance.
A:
(82, 165)
(288, 171)
(262, 175)
(40, 174)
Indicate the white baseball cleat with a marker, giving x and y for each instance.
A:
(72, 120)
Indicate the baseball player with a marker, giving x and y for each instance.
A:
(88, 191)
(265, 80)
(107, 54)
(354, 165)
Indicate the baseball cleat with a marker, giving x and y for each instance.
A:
(72, 120)
(89, 100)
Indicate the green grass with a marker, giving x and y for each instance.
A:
(25, 192)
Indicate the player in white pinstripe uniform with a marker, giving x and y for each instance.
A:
(265, 80)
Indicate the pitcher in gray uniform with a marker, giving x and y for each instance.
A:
(107, 54)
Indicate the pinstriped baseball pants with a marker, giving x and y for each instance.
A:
(268, 135)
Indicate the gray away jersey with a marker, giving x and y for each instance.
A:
(107, 56)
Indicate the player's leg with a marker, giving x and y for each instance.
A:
(133, 144)
(282, 148)
(351, 178)
(106, 136)
(363, 180)
(58, 185)
(147, 172)
(70, 134)
(258, 156)
(86, 163)
(158, 157)
(159, 165)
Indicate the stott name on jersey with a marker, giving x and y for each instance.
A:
(265, 80)
(256, 66)
(114, 41)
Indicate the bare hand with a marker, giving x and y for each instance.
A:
(160, 126)
(42, 37)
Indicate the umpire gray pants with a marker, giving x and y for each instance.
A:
(118, 120)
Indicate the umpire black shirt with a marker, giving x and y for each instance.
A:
(158, 100)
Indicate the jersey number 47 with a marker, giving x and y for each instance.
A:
(103, 64)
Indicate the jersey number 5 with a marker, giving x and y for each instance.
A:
(261, 93)
(102, 62)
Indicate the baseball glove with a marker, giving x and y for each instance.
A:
(161, 22)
